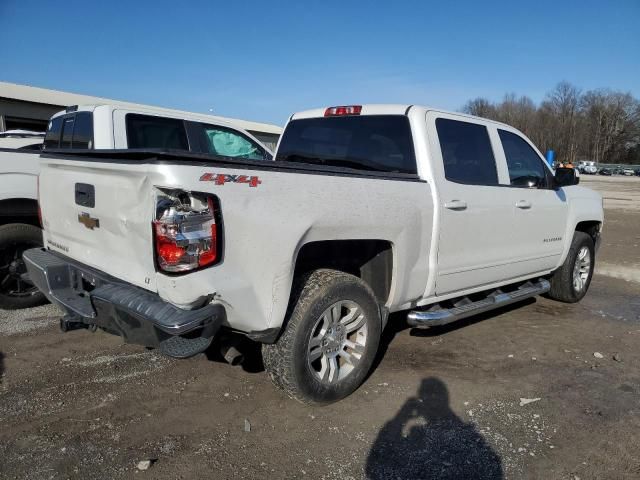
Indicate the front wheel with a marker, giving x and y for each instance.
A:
(330, 338)
(571, 281)
(15, 292)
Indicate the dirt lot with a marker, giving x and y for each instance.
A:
(540, 390)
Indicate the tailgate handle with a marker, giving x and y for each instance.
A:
(456, 205)
(85, 195)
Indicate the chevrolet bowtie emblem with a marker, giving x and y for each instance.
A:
(87, 221)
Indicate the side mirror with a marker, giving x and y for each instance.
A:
(565, 177)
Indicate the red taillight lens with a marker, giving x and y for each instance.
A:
(186, 237)
(343, 110)
(169, 252)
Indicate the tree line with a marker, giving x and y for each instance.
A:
(600, 125)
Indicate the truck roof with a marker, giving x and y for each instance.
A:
(165, 112)
(388, 109)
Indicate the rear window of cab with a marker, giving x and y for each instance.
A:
(381, 143)
(74, 130)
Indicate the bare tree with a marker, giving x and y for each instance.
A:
(480, 107)
(600, 125)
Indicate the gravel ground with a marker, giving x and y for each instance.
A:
(536, 390)
(13, 322)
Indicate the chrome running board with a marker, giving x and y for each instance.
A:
(464, 307)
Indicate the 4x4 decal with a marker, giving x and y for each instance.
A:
(222, 178)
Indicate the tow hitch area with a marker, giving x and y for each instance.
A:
(67, 323)
(92, 299)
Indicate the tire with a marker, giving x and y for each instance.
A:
(333, 318)
(565, 287)
(15, 293)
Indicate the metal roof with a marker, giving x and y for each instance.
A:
(27, 93)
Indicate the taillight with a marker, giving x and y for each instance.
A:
(343, 110)
(186, 231)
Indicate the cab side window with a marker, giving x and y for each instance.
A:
(229, 143)
(466, 152)
(525, 166)
(149, 131)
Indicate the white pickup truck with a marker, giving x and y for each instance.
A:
(99, 127)
(19, 225)
(366, 210)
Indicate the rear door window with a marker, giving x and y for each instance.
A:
(466, 152)
(380, 143)
(148, 131)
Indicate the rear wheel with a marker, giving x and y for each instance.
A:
(15, 293)
(571, 281)
(330, 339)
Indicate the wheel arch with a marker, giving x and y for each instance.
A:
(591, 228)
(19, 210)
(372, 260)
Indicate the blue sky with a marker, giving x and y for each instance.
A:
(264, 60)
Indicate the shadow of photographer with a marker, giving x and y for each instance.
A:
(426, 439)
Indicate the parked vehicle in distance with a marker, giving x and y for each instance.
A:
(101, 127)
(605, 171)
(366, 210)
(587, 167)
(628, 172)
(98, 127)
(638, 172)
(21, 139)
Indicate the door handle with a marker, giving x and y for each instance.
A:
(524, 204)
(456, 205)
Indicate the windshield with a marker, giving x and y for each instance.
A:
(380, 143)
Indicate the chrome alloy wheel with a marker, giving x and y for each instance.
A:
(581, 269)
(337, 341)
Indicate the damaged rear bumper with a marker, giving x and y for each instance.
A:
(91, 297)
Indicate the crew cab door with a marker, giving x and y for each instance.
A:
(540, 211)
(476, 212)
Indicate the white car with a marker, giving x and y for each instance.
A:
(99, 127)
(366, 210)
(587, 167)
(628, 171)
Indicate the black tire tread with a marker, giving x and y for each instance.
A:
(8, 233)
(562, 280)
(277, 357)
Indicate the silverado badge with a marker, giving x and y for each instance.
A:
(88, 221)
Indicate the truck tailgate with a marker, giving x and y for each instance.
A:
(100, 214)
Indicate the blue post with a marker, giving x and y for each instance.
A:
(551, 156)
